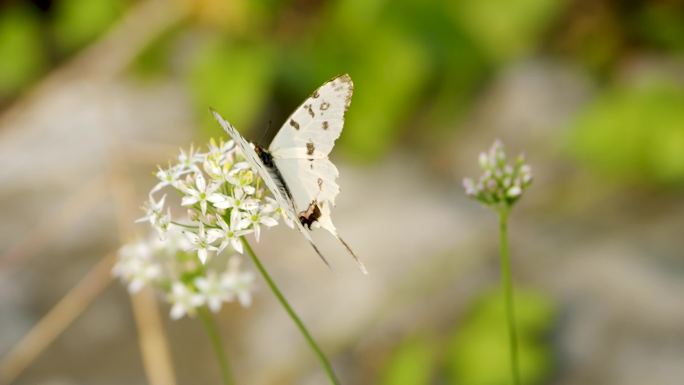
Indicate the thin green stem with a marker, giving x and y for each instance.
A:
(183, 225)
(325, 363)
(215, 338)
(508, 292)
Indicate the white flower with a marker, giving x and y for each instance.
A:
(224, 200)
(238, 201)
(242, 177)
(514, 191)
(230, 234)
(168, 177)
(256, 218)
(238, 283)
(174, 241)
(188, 162)
(163, 222)
(153, 210)
(136, 266)
(221, 150)
(469, 186)
(214, 293)
(202, 242)
(201, 193)
(272, 205)
(184, 301)
(501, 184)
(213, 168)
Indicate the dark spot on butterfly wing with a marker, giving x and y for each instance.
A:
(294, 124)
(325, 125)
(310, 148)
(320, 184)
(346, 79)
(324, 106)
(310, 110)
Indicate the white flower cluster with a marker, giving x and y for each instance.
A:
(501, 184)
(195, 261)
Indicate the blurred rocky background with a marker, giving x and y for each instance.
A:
(94, 94)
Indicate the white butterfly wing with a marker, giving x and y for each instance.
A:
(247, 150)
(313, 183)
(301, 147)
(318, 120)
(310, 181)
(277, 189)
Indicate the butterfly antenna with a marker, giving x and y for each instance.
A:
(358, 261)
(266, 131)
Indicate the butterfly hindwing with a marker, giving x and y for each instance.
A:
(315, 180)
(314, 189)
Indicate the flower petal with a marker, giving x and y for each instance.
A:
(268, 221)
(177, 311)
(189, 200)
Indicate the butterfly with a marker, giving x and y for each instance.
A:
(295, 166)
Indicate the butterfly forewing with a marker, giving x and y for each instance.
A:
(277, 188)
(318, 121)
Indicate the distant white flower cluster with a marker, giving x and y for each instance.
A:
(195, 260)
(501, 184)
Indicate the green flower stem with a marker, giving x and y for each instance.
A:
(325, 363)
(215, 338)
(508, 291)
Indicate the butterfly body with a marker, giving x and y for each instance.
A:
(295, 167)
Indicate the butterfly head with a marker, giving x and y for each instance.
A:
(265, 156)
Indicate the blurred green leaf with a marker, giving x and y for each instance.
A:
(412, 363)
(354, 18)
(22, 56)
(234, 80)
(79, 22)
(457, 64)
(478, 352)
(156, 58)
(634, 133)
(389, 79)
(506, 29)
(663, 25)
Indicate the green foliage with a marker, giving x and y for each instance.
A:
(478, 352)
(412, 363)
(663, 25)
(155, 60)
(78, 22)
(417, 64)
(392, 74)
(233, 79)
(506, 29)
(22, 56)
(634, 133)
